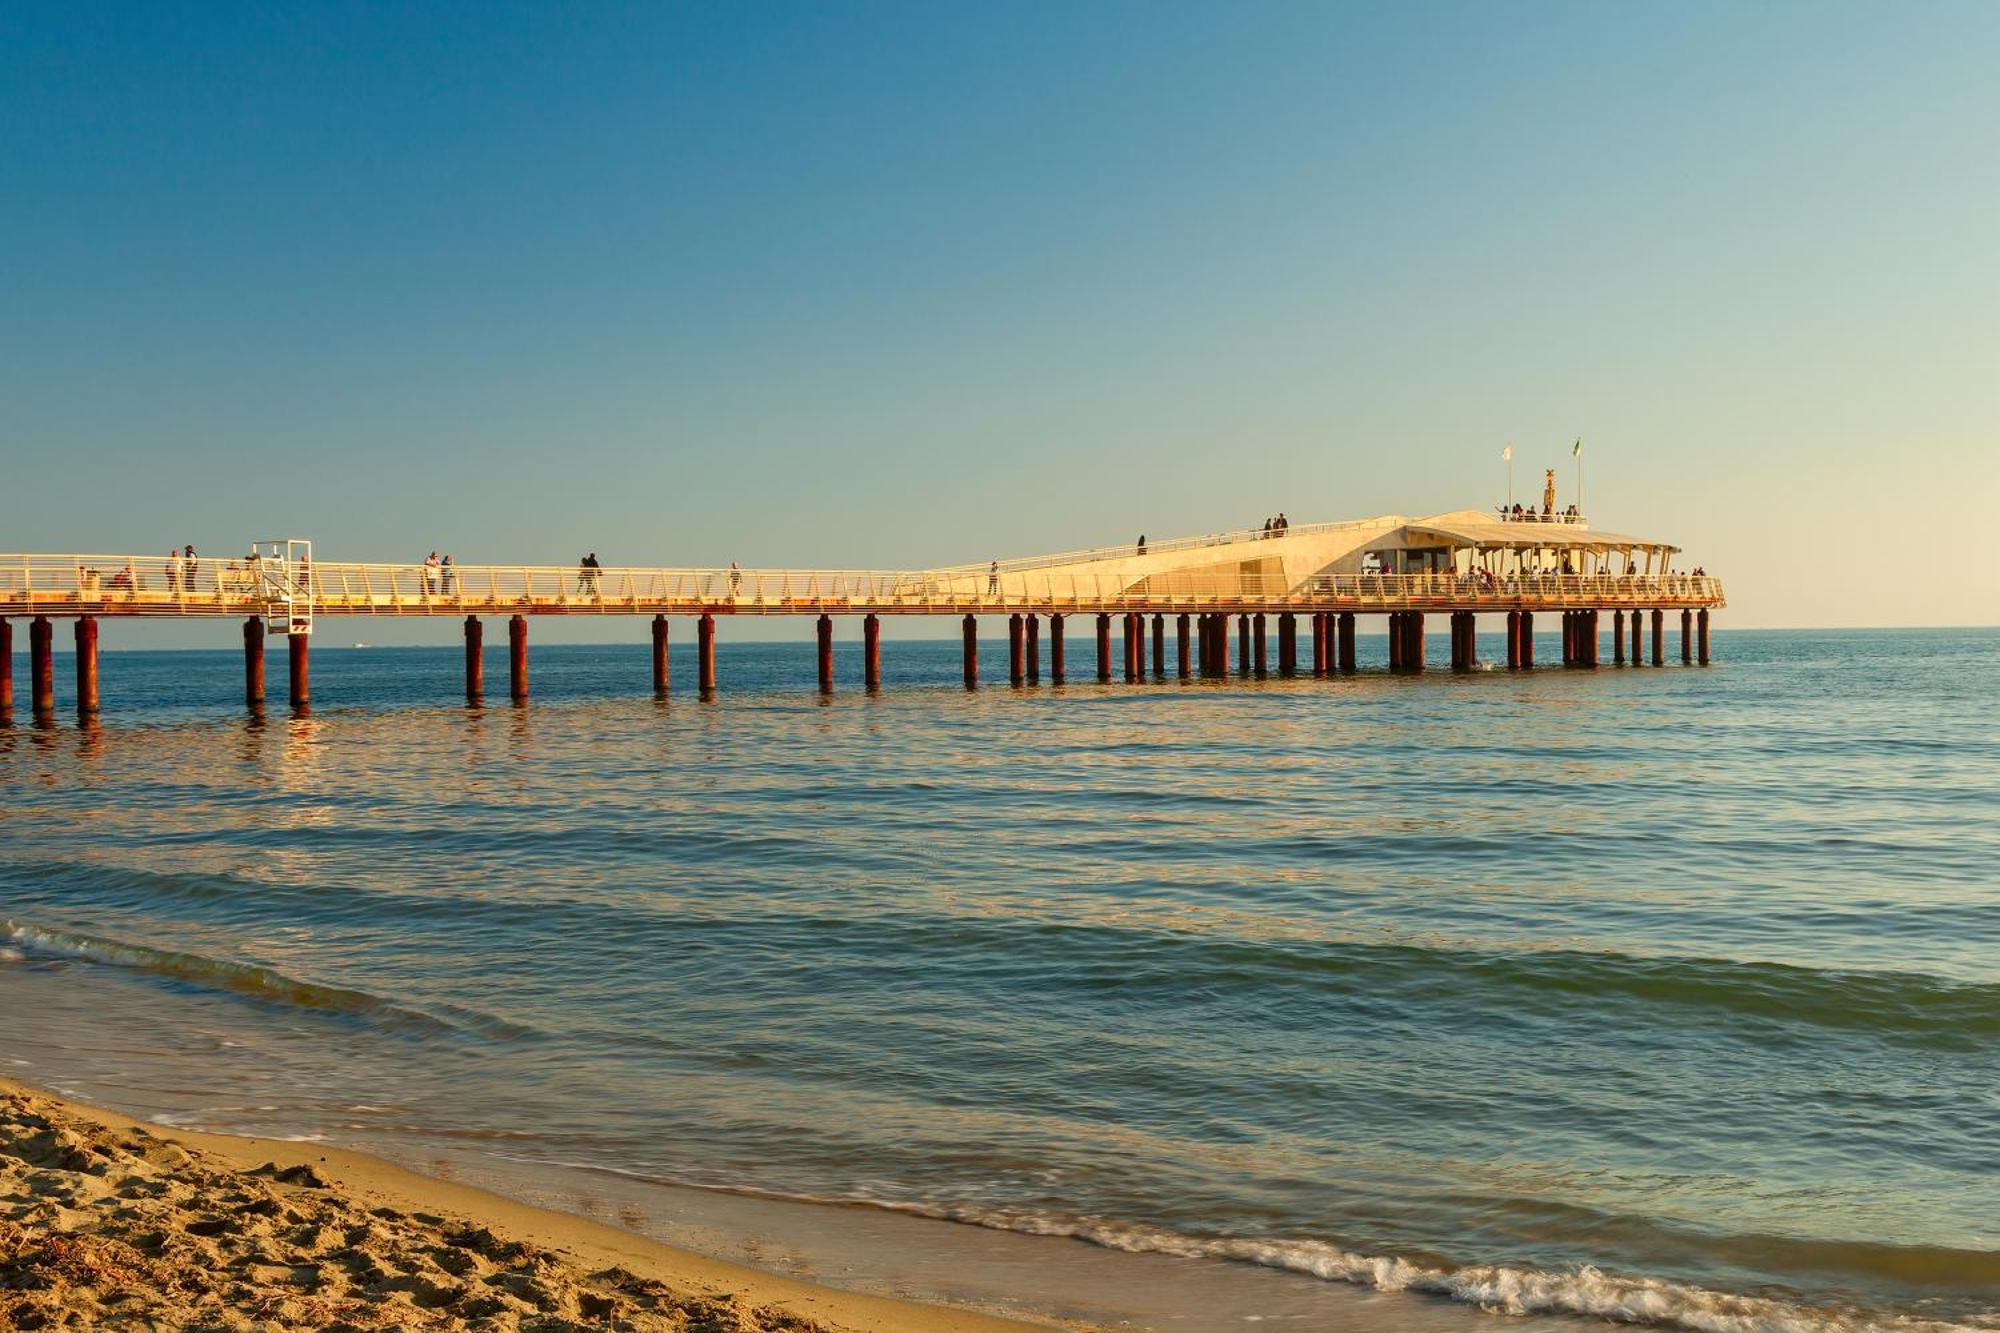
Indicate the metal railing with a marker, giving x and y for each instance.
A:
(150, 585)
(1131, 550)
(1536, 516)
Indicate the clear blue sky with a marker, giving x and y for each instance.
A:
(894, 286)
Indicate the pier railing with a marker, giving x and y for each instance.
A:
(114, 585)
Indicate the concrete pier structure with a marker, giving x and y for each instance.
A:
(298, 661)
(1058, 669)
(1455, 564)
(824, 634)
(871, 653)
(704, 655)
(1104, 648)
(6, 670)
(969, 631)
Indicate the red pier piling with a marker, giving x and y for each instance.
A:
(1033, 624)
(871, 653)
(1058, 670)
(6, 669)
(86, 667)
(704, 654)
(1617, 638)
(517, 658)
(1181, 644)
(298, 662)
(825, 635)
(1345, 640)
(1159, 645)
(969, 628)
(253, 662)
(475, 660)
(1527, 632)
(1701, 633)
(1017, 657)
(1288, 644)
(1103, 646)
(662, 668)
(1257, 644)
(42, 666)
(1687, 638)
(1659, 638)
(1243, 644)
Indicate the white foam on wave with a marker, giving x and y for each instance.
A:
(1498, 1289)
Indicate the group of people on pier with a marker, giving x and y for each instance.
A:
(439, 574)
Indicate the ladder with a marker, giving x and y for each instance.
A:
(284, 571)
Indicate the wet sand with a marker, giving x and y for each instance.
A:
(103, 1218)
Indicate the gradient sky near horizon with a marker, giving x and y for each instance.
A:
(902, 285)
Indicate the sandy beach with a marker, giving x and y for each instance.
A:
(103, 1218)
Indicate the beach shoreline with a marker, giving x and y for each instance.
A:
(109, 1214)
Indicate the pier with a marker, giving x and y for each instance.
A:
(1453, 567)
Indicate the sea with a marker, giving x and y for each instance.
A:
(1666, 996)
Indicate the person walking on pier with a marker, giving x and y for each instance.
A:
(430, 573)
(735, 580)
(188, 566)
(444, 572)
(173, 570)
(1142, 543)
(993, 579)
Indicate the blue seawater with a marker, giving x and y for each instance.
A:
(1669, 995)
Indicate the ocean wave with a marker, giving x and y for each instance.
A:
(1507, 1289)
(250, 979)
(1497, 1288)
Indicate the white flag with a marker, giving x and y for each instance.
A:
(1507, 454)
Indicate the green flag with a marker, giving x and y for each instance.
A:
(1576, 450)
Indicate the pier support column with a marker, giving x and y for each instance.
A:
(1017, 651)
(825, 636)
(1319, 643)
(1593, 638)
(1159, 645)
(1687, 638)
(1344, 640)
(42, 666)
(871, 653)
(86, 667)
(517, 658)
(253, 662)
(1413, 658)
(1513, 640)
(1103, 646)
(1134, 644)
(1569, 638)
(1701, 635)
(661, 667)
(704, 654)
(475, 660)
(1257, 636)
(1058, 672)
(1396, 641)
(1181, 644)
(1659, 638)
(1288, 644)
(1243, 644)
(1527, 640)
(298, 658)
(1617, 638)
(1638, 638)
(1033, 624)
(969, 628)
(6, 670)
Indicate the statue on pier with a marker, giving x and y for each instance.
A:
(1549, 493)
